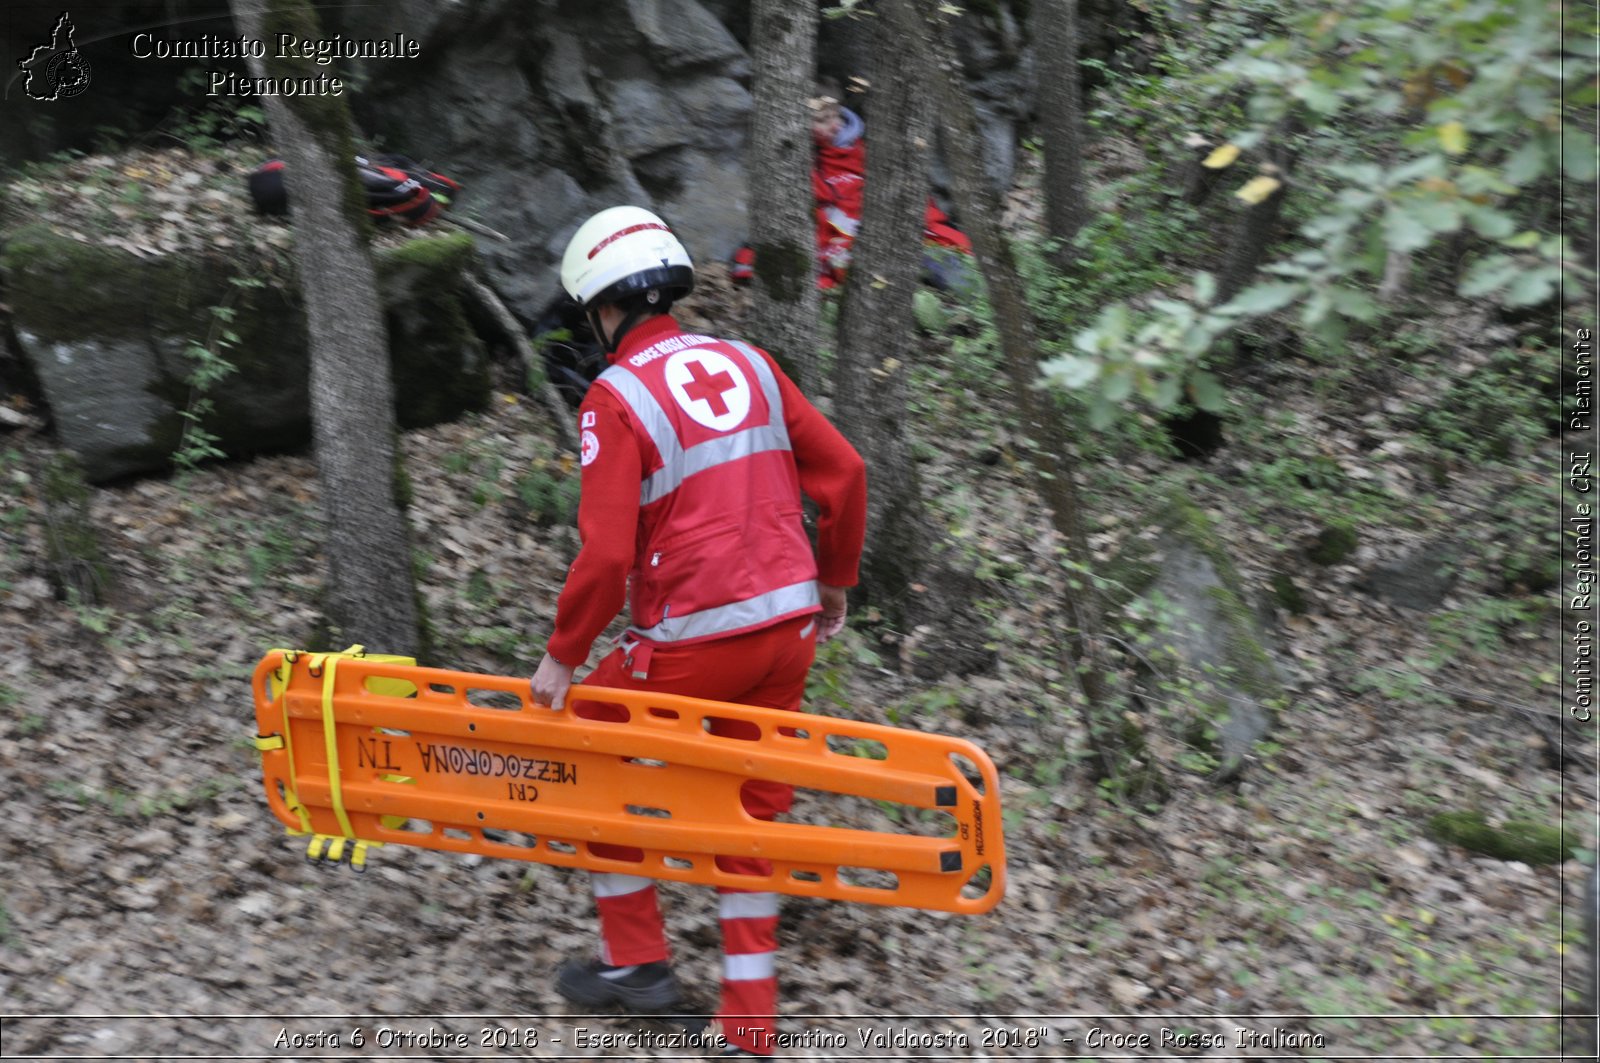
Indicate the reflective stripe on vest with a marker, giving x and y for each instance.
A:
(677, 464)
(735, 616)
(841, 221)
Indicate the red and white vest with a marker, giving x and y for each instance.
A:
(722, 548)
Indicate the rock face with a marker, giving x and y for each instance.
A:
(550, 111)
(105, 332)
(546, 110)
(1196, 611)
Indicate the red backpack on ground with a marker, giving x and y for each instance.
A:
(396, 187)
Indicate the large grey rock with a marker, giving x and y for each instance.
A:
(1420, 580)
(104, 395)
(105, 332)
(1206, 630)
(550, 111)
(681, 34)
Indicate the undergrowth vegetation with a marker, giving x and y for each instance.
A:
(1359, 448)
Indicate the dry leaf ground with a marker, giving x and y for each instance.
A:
(145, 878)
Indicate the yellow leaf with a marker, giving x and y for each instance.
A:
(1453, 137)
(1258, 189)
(1437, 185)
(1427, 916)
(1223, 156)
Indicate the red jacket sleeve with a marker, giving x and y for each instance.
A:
(608, 521)
(833, 476)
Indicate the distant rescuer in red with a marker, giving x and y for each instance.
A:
(695, 453)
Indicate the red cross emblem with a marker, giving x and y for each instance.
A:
(709, 387)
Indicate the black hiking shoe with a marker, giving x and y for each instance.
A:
(647, 989)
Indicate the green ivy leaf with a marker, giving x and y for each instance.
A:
(1577, 154)
(1532, 287)
(1403, 231)
(1415, 170)
(1205, 288)
(1527, 163)
(1316, 309)
(1115, 321)
(1352, 303)
(1264, 298)
(1247, 140)
(1320, 98)
(1070, 371)
(1119, 385)
(1101, 413)
(930, 315)
(1491, 223)
(1487, 275)
(1167, 393)
(1207, 393)
(1439, 215)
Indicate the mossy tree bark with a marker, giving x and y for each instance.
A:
(371, 595)
(877, 327)
(1060, 92)
(784, 49)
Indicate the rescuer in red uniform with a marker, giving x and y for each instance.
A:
(838, 183)
(695, 453)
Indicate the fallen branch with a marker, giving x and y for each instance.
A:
(531, 372)
(475, 227)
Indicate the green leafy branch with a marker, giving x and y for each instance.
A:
(208, 367)
(1463, 102)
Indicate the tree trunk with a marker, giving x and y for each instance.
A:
(371, 593)
(877, 327)
(1041, 427)
(1060, 94)
(979, 207)
(784, 47)
(1258, 225)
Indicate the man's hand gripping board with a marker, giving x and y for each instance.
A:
(358, 751)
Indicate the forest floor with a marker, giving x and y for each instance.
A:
(1303, 910)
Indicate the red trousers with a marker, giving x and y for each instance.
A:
(767, 668)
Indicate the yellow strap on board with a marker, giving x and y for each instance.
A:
(328, 665)
(325, 666)
(280, 681)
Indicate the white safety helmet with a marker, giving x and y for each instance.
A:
(625, 251)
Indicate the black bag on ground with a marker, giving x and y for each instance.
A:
(395, 186)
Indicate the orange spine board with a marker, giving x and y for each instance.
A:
(421, 757)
